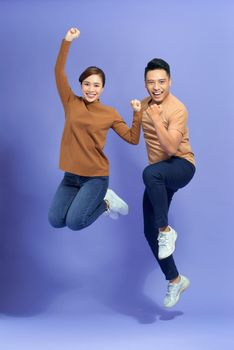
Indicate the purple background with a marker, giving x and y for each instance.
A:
(101, 288)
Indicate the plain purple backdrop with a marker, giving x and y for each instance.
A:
(108, 267)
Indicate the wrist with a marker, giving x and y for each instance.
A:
(68, 39)
(157, 122)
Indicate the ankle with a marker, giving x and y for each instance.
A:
(175, 280)
(107, 204)
(165, 229)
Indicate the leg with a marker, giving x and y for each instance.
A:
(171, 174)
(89, 202)
(62, 201)
(178, 283)
(161, 179)
(167, 265)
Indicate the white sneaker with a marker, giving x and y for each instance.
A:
(112, 214)
(174, 291)
(116, 204)
(166, 243)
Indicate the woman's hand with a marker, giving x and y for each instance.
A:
(72, 34)
(136, 105)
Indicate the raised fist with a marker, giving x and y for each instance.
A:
(136, 105)
(72, 34)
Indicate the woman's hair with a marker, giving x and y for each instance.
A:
(90, 71)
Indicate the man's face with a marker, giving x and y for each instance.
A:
(157, 84)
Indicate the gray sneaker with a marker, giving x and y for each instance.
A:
(174, 291)
(166, 243)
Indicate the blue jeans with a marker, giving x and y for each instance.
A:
(78, 201)
(162, 180)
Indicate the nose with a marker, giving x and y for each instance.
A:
(156, 85)
(91, 88)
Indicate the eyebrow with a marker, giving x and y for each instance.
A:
(152, 80)
(88, 82)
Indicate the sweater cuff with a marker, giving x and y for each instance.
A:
(66, 43)
(137, 114)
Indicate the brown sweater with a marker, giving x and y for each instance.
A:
(86, 127)
(174, 117)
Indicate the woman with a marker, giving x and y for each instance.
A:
(83, 194)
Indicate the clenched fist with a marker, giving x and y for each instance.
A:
(72, 34)
(155, 112)
(136, 105)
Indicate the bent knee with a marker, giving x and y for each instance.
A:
(150, 175)
(55, 221)
(75, 225)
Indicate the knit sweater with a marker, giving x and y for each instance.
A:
(174, 117)
(86, 127)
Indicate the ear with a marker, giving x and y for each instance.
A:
(170, 82)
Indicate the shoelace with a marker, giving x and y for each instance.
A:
(163, 240)
(172, 289)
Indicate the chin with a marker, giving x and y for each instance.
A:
(157, 101)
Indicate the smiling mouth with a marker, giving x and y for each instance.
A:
(157, 93)
(91, 95)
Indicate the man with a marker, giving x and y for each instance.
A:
(164, 124)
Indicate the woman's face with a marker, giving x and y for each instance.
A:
(92, 88)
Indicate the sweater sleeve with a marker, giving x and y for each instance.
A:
(130, 135)
(178, 121)
(63, 86)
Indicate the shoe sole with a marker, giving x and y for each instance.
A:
(114, 216)
(164, 257)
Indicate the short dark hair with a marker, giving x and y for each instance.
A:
(157, 63)
(90, 71)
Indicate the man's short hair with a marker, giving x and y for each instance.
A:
(157, 63)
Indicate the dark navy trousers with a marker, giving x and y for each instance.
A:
(161, 181)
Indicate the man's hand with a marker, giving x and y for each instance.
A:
(154, 112)
(136, 105)
(72, 34)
